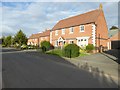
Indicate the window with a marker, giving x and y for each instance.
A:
(71, 42)
(64, 42)
(63, 31)
(56, 32)
(71, 30)
(82, 28)
(81, 39)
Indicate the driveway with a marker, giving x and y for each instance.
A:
(32, 69)
(98, 63)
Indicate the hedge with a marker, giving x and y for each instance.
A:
(90, 47)
(71, 50)
(45, 45)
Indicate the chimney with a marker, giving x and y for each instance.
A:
(101, 6)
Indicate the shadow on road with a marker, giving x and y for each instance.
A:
(97, 74)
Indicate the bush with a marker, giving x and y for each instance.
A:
(17, 45)
(24, 46)
(45, 45)
(90, 47)
(71, 50)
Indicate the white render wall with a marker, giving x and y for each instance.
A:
(93, 34)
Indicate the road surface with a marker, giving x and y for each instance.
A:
(25, 69)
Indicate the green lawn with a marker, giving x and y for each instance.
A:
(55, 52)
(59, 52)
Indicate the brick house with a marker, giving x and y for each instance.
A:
(36, 39)
(45, 36)
(83, 29)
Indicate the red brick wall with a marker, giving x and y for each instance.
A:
(34, 41)
(76, 33)
(46, 38)
(101, 30)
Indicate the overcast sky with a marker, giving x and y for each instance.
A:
(34, 17)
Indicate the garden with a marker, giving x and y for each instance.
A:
(69, 50)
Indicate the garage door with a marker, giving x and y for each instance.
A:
(115, 44)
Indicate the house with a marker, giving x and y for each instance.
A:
(36, 39)
(45, 36)
(83, 29)
(114, 39)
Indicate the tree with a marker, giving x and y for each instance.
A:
(45, 45)
(20, 38)
(7, 41)
(114, 27)
(3, 40)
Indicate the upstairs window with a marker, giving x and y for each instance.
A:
(63, 31)
(71, 30)
(71, 42)
(82, 28)
(56, 32)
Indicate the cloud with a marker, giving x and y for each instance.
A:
(37, 16)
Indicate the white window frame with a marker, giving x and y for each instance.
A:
(56, 32)
(56, 43)
(81, 29)
(70, 29)
(71, 41)
(63, 31)
(79, 38)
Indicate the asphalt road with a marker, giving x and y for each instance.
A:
(22, 69)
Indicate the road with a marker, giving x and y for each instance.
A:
(25, 69)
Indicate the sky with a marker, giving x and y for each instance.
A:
(34, 17)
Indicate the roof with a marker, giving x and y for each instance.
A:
(84, 18)
(113, 32)
(35, 36)
(45, 33)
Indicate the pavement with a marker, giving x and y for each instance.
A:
(33, 69)
(99, 63)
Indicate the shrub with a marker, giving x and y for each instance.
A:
(24, 46)
(71, 50)
(17, 45)
(45, 45)
(90, 47)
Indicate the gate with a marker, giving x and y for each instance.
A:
(115, 44)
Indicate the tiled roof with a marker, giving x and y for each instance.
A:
(87, 17)
(37, 35)
(45, 33)
(112, 32)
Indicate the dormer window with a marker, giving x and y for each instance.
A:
(56, 32)
(63, 31)
(82, 28)
(71, 30)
